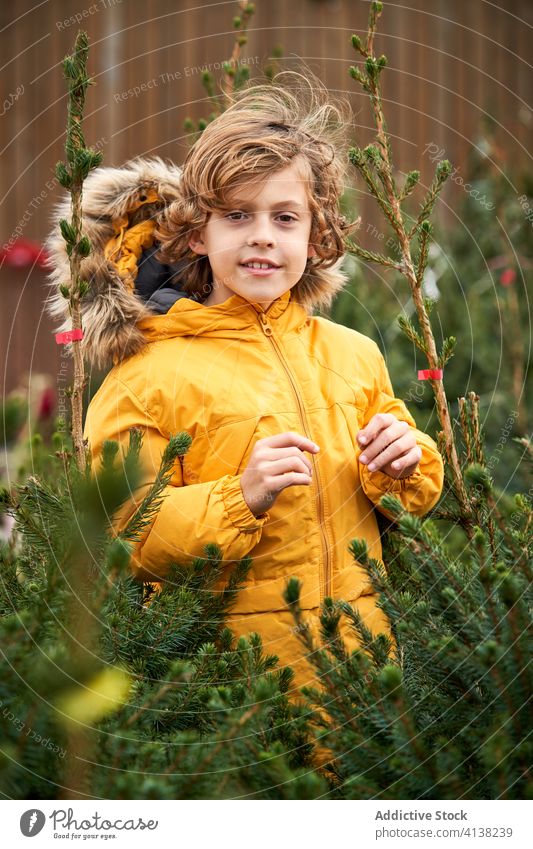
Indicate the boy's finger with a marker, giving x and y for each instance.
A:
(291, 438)
(283, 453)
(412, 458)
(376, 424)
(400, 446)
(384, 441)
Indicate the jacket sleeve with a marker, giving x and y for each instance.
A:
(190, 515)
(420, 491)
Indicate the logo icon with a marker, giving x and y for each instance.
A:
(32, 822)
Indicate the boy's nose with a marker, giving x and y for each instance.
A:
(261, 232)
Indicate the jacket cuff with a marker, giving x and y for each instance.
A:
(407, 490)
(237, 509)
(377, 484)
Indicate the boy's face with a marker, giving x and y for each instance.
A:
(268, 220)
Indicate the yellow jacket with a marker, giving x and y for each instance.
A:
(229, 375)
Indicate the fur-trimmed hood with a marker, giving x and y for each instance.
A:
(137, 192)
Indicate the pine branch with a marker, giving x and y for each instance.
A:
(150, 505)
(410, 331)
(80, 160)
(358, 160)
(443, 171)
(328, 672)
(447, 350)
(411, 181)
(471, 428)
(424, 233)
(233, 76)
(389, 199)
(370, 256)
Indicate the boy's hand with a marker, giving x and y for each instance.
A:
(389, 445)
(275, 463)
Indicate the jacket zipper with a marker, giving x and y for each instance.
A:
(325, 584)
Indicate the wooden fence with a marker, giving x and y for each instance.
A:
(451, 63)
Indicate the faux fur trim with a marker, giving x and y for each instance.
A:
(110, 311)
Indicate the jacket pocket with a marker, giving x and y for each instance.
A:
(221, 451)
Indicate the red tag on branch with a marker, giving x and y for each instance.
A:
(69, 336)
(23, 253)
(430, 374)
(508, 277)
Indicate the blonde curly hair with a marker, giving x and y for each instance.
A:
(265, 128)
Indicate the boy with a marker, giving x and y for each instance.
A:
(296, 433)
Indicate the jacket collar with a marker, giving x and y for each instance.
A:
(191, 318)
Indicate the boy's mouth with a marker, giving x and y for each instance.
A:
(259, 268)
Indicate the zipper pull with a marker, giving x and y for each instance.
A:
(267, 329)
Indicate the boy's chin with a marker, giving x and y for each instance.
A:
(263, 295)
(264, 288)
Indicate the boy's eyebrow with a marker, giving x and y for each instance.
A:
(280, 204)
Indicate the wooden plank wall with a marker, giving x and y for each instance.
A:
(451, 62)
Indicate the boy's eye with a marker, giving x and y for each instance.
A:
(233, 216)
(236, 216)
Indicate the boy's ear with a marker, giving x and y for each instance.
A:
(196, 243)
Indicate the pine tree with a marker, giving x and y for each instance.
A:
(477, 290)
(107, 685)
(451, 719)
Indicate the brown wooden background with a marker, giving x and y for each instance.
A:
(450, 63)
